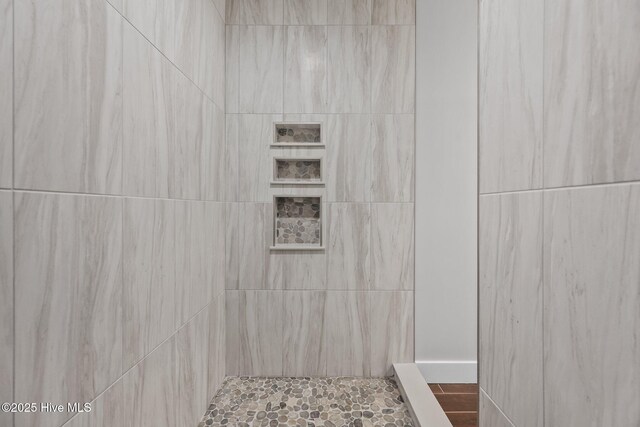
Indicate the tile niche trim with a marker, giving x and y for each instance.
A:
(298, 223)
(304, 171)
(298, 134)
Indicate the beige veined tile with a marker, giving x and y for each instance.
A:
(393, 12)
(349, 12)
(6, 302)
(305, 12)
(591, 299)
(76, 145)
(6, 93)
(156, 20)
(254, 12)
(510, 342)
(106, 410)
(68, 304)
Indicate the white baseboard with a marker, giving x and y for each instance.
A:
(449, 371)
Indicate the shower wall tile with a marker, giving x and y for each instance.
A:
(6, 94)
(305, 12)
(393, 71)
(77, 143)
(348, 244)
(232, 244)
(107, 410)
(297, 270)
(189, 37)
(232, 155)
(210, 72)
(394, 12)
(253, 238)
(349, 81)
(391, 331)
(304, 331)
(216, 341)
(392, 246)
(490, 415)
(591, 298)
(149, 276)
(149, 114)
(592, 94)
(510, 343)
(232, 68)
(349, 12)
(511, 95)
(221, 7)
(156, 20)
(220, 163)
(255, 12)
(68, 313)
(305, 72)
(192, 344)
(348, 162)
(254, 333)
(393, 139)
(6, 302)
(151, 389)
(348, 334)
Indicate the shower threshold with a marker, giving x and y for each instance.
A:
(308, 402)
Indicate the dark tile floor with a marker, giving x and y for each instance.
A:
(459, 401)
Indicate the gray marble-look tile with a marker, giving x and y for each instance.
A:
(232, 68)
(156, 20)
(254, 333)
(210, 70)
(253, 238)
(297, 270)
(391, 331)
(305, 72)
(489, 414)
(394, 149)
(151, 389)
(260, 68)
(68, 304)
(348, 244)
(149, 114)
(510, 343)
(232, 245)
(107, 410)
(349, 53)
(304, 330)
(216, 342)
(348, 158)
(591, 300)
(510, 95)
(68, 80)
(349, 12)
(149, 276)
(393, 12)
(190, 30)
(393, 69)
(255, 12)
(6, 302)
(219, 166)
(6, 93)
(348, 333)
(232, 165)
(392, 246)
(305, 12)
(591, 92)
(192, 352)
(222, 9)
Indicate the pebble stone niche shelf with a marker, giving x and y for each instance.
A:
(297, 223)
(298, 135)
(297, 171)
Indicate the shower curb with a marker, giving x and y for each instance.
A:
(423, 406)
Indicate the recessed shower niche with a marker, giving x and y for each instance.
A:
(297, 171)
(297, 223)
(298, 135)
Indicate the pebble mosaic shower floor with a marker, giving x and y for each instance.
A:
(308, 402)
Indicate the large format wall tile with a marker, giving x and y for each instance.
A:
(391, 331)
(591, 297)
(592, 92)
(156, 20)
(6, 302)
(349, 12)
(297, 270)
(217, 166)
(68, 89)
(210, 68)
(349, 72)
(149, 127)
(254, 332)
(253, 239)
(305, 12)
(490, 415)
(510, 95)
(305, 72)
(392, 246)
(510, 343)
(255, 12)
(304, 331)
(393, 158)
(107, 410)
(151, 389)
(189, 37)
(393, 71)
(217, 337)
(6, 93)
(348, 334)
(348, 245)
(393, 12)
(348, 162)
(149, 276)
(232, 242)
(68, 314)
